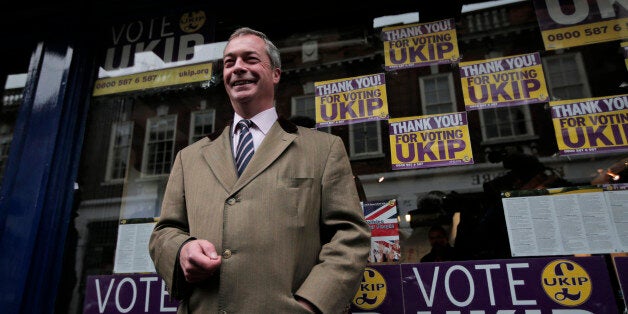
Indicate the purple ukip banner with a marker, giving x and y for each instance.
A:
(380, 290)
(533, 285)
(127, 293)
(621, 266)
(556, 285)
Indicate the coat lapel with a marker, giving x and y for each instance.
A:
(219, 156)
(276, 142)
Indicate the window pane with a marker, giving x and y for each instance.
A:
(436, 92)
(159, 147)
(565, 77)
(504, 122)
(365, 138)
(12, 92)
(120, 149)
(304, 106)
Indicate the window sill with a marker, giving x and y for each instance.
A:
(367, 156)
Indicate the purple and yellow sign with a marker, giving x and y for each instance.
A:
(567, 24)
(430, 141)
(380, 290)
(501, 82)
(624, 48)
(621, 267)
(532, 285)
(591, 125)
(351, 100)
(536, 285)
(418, 45)
(543, 285)
(169, 37)
(153, 79)
(129, 293)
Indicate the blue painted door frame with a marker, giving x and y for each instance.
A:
(36, 198)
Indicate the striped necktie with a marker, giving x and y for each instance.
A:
(245, 148)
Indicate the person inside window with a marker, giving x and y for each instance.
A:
(441, 249)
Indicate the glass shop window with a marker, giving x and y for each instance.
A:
(5, 143)
(145, 107)
(12, 97)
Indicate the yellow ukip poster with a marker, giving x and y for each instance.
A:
(153, 79)
(567, 24)
(502, 82)
(430, 141)
(624, 48)
(591, 125)
(417, 45)
(351, 100)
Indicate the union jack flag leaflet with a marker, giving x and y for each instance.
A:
(382, 218)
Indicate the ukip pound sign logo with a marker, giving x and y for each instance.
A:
(191, 22)
(372, 290)
(566, 283)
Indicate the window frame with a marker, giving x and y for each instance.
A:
(146, 151)
(582, 75)
(295, 109)
(5, 145)
(111, 153)
(193, 137)
(450, 87)
(369, 154)
(527, 117)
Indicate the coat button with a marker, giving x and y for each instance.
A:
(226, 253)
(231, 201)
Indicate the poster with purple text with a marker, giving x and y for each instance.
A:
(502, 82)
(430, 141)
(591, 125)
(127, 293)
(380, 290)
(418, 45)
(621, 267)
(536, 285)
(351, 100)
(567, 24)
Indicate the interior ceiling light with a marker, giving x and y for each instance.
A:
(613, 176)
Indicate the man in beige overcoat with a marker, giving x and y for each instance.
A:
(286, 236)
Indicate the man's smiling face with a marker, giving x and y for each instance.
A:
(248, 75)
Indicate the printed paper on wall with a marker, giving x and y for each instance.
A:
(575, 23)
(351, 100)
(501, 82)
(624, 48)
(430, 141)
(418, 45)
(563, 221)
(591, 125)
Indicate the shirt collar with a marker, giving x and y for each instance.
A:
(263, 120)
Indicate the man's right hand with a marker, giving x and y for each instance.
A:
(199, 260)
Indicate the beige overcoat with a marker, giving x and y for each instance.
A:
(291, 225)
